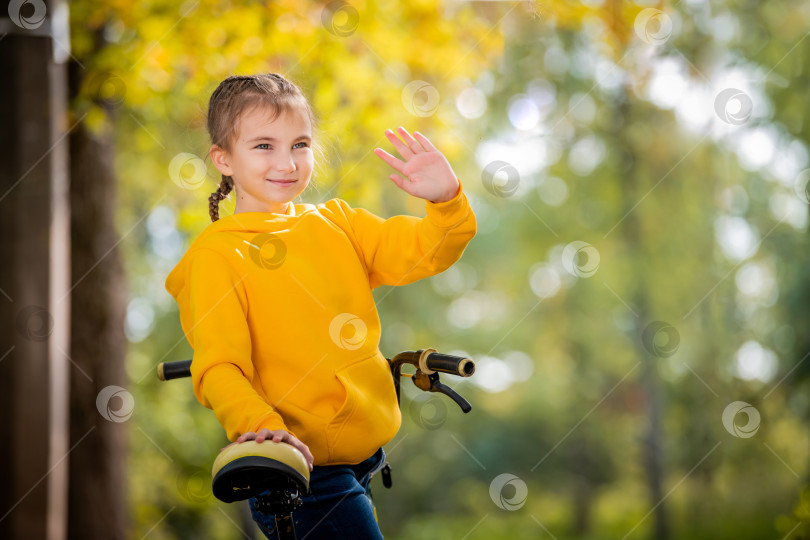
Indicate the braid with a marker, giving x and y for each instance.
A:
(225, 187)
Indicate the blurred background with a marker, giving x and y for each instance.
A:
(636, 298)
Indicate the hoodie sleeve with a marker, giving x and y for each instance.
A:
(404, 249)
(216, 326)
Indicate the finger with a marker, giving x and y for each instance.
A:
(397, 164)
(304, 449)
(412, 143)
(426, 144)
(307, 454)
(403, 148)
(398, 181)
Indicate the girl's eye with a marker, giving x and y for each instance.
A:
(268, 145)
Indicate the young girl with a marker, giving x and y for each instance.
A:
(276, 300)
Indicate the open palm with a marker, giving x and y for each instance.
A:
(428, 174)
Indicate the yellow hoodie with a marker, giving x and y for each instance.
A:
(279, 311)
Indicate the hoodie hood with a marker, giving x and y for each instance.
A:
(246, 224)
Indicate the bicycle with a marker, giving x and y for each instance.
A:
(249, 469)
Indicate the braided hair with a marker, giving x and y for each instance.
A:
(240, 93)
(225, 187)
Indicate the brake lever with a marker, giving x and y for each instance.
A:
(431, 383)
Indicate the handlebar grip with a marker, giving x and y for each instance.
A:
(447, 363)
(174, 370)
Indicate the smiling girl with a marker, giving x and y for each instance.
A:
(276, 298)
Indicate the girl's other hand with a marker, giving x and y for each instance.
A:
(428, 174)
(278, 435)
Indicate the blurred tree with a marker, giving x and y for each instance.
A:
(98, 479)
(34, 276)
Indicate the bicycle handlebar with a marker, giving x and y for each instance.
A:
(174, 370)
(434, 361)
(428, 363)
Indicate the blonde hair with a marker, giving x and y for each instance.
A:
(240, 93)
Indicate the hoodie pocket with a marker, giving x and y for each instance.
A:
(369, 417)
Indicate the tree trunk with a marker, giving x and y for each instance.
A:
(97, 507)
(631, 232)
(34, 286)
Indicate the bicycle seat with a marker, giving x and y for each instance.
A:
(247, 469)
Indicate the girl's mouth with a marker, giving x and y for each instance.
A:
(281, 182)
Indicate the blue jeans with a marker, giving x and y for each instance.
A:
(339, 507)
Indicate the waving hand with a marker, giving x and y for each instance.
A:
(427, 172)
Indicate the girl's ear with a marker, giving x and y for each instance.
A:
(220, 158)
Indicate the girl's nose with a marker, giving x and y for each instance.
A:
(286, 164)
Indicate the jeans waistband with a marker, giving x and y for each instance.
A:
(377, 459)
(380, 463)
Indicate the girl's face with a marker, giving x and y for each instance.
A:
(270, 162)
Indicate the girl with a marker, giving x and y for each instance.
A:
(276, 300)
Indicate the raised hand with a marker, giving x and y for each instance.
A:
(427, 172)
